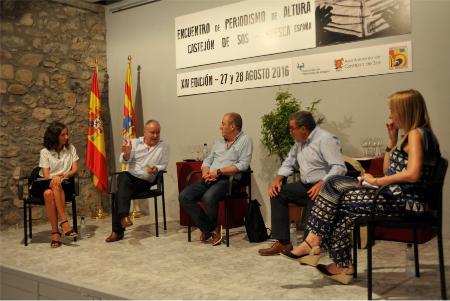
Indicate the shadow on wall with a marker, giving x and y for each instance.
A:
(339, 128)
(269, 166)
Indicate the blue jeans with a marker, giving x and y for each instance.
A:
(210, 194)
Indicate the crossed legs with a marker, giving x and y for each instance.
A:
(55, 205)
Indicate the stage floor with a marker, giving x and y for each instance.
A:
(143, 266)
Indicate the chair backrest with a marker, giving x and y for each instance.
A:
(434, 190)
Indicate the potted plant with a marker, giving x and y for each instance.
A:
(275, 129)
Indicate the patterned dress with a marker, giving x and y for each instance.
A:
(341, 201)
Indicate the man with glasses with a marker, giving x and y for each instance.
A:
(317, 155)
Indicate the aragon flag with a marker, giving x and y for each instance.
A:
(95, 149)
(129, 115)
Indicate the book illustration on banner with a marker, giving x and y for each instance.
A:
(339, 21)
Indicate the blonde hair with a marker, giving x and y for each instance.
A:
(411, 109)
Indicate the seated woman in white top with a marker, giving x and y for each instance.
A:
(58, 161)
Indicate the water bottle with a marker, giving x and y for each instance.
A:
(410, 269)
(205, 151)
(82, 227)
(293, 233)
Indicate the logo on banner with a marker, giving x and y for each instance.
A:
(338, 64)
(398, 57)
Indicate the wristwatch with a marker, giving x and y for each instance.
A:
(219, 172)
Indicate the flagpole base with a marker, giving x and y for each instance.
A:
(100, 214)
(136, 214)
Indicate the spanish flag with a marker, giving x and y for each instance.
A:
(129, 115)
(95, 149)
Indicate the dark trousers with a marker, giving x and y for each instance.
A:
(127, 186)
(210, 194)
(295, 193)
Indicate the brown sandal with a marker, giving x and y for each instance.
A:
(56, 243)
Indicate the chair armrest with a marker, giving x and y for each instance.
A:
(189, 176)
(111, 177)
(379, 191)
(20, 185)
(160, 180)
(232, 182)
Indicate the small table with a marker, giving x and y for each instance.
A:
(183, 169)
(372, 165)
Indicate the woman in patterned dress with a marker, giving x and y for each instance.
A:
(410, 159)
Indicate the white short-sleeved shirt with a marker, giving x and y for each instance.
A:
(58, 163)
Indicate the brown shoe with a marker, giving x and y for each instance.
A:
(275, 249)
(126, 222)
(205, 236)
(114, 236)
(217, 236)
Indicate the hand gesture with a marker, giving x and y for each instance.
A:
(369, 178)
(392, 130)
(274, 189)
(56, 180)
(152, 169)
(126, 149)
(313, 192)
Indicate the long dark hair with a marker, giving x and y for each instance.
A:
(51, 136)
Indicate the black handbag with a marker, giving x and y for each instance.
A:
(254, 223)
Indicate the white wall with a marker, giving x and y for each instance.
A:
(354, 108)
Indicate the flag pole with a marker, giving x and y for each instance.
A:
(135, 212)
(99, 212)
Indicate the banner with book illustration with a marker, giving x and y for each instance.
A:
(262, 27)
(357, 62)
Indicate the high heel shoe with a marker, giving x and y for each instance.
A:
(343, 277)
(312, 258)
(56, 243)
(69, 233)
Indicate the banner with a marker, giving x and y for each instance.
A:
(373, 60)
(261, 27)
(95, 148)
(244, 29)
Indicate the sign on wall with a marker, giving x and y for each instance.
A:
(261, 27)
(244, 29)
(374, 60)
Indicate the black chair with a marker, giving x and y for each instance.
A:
(154, 192)
(429, 220)
(239, 187)
(37, 199)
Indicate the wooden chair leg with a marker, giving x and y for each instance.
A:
(441, 265)
(156, 216)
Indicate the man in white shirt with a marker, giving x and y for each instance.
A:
(145, 157)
